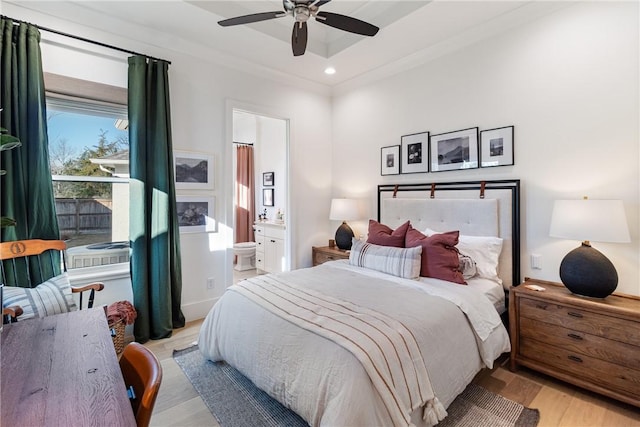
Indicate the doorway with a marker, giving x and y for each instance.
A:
(267, 138)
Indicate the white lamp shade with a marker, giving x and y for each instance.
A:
(344, 209)
(593, 220)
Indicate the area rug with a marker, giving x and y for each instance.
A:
(235, 402)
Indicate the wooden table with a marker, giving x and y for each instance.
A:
(62, 370)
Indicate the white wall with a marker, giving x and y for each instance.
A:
(271, 149)
(200, 91)
(567, 82)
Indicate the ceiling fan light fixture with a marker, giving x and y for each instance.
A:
(330, 71)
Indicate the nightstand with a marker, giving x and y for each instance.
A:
(323, 254)
(592, 343)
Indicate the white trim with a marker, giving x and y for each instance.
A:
(80, 178)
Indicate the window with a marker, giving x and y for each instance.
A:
(89, 161)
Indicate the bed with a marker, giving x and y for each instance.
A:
(348, 344)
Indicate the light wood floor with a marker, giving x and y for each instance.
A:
(560, 404)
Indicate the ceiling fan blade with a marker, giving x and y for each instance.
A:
(255, 17)
(319, 3)
(346, 23)
(299, 38)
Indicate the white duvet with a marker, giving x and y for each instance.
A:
(457, 329)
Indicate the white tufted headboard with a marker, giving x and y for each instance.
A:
(458, 206)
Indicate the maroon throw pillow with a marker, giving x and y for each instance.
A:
(439, 254)
(380, 234)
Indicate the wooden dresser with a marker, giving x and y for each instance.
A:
(592, 343)
(322, 254)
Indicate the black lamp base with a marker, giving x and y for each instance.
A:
(344, 236)
(586, 271)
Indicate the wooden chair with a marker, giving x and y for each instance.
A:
(31, 262)
(143, 373)
(10, 314)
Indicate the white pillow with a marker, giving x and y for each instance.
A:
(484, 250)
(401, 262)
(50, 297)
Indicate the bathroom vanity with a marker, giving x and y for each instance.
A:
(270, 241)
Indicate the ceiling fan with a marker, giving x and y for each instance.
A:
(301, 11)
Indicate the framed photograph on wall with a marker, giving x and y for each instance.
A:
(196, 214)
(454, 150)
(267, 196)
(414, 153)
(193, 171)
(496, 147)
(390, 160)
(268, 179)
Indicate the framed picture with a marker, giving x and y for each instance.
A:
(390, 160)
(454, 150)
(496, 147)
(195, 214)
(414, 152)
(193, 171)
(267, 179)
(267, 196)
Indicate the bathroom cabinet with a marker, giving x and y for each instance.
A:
(270, 241)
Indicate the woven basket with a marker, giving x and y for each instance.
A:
(117, 334)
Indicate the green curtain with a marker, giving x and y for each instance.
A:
(26, 189)
(155, 240)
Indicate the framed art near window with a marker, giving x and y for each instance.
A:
(390, 160)
(454, 150)
(195, 214)
(193, 171)
(414, 152)
(268, 179)
(267, 196)
(496, 147)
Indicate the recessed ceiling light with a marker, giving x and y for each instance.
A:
(329, 70)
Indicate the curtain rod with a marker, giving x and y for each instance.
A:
(243, 143)
(85, 40)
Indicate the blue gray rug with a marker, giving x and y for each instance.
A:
(235, 402)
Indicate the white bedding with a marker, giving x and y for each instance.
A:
(325, 383)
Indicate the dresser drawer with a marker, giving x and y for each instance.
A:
(322, 257)
(259, 243)
(581, 320)
(259, 229)
(599, 372)
(260, 260)
(612, 351)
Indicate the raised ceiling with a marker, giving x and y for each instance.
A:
(411, 32)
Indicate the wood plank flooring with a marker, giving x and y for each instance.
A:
(560, 404)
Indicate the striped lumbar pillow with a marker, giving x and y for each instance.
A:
(401, 262)
(51, 297)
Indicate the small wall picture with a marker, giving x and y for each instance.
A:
(195, 214)
(267, 196)
(390, 160)
(193, 170)
(414, 152)
(496, 147)
(454, 150)
(267, 179)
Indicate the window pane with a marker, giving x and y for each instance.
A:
(87, 151)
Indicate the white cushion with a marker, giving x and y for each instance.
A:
(51, 297)
(483, 250)
(401, 262)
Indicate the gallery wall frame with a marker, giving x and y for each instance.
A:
(390, 160)
(454, 150)
(196, 214)
(496, 147)
(267, 196)
(414, 153)
(193, 171)
(268, 179)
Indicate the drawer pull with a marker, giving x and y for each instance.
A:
(273, 241)
(330, 257)
(541, 307)
(574, 358)
(574, 314)
(574, 336)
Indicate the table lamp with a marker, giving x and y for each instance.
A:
(586, 271)
(344, 210)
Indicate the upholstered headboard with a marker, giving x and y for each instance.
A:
(477, 208)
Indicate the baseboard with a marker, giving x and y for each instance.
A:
(198, 310)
